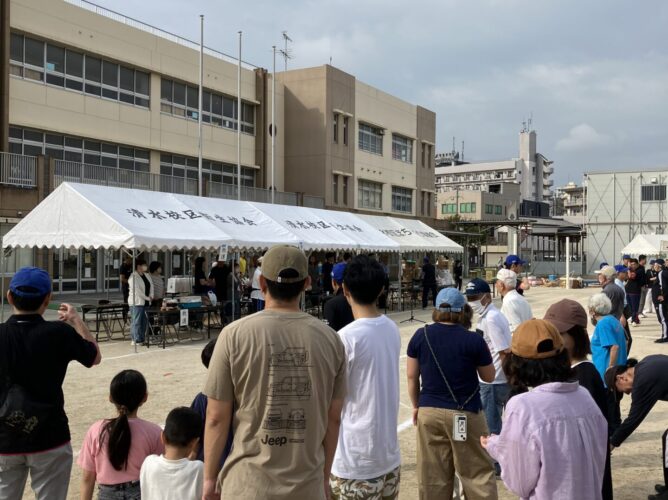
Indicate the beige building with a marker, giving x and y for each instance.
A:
(357, 146)
(484, 206)
(572, 200)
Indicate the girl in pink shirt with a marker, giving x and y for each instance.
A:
(114, 449)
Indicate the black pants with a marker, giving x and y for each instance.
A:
(627, 330)
(458, 283)
(664, 458)
(425, 294)
(607, 477)
(662, 316)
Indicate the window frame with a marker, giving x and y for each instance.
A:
(368, 192)
(402, 199)
(402, 148)
(370, 139)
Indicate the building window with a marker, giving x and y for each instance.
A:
(55, 65)
(449, 208)
(402, 199)
(179, 99)
(430, 155)
(424, 148)
(653, 192)
(76, 149)
(345, 130)
(489, 209)
(371, 139)
(498, 210)
(467, 208)
(428, 204)
(335, 125)
(335, 188)
(402, 148)
(345, 190)
(370, 195)
(212, 171)
(422, 196)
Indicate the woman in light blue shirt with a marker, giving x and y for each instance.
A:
(608, 344)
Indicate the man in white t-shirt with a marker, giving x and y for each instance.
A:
(494, 328)
(515, 307)
(367, 460)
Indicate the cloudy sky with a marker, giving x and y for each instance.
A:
(593, 74)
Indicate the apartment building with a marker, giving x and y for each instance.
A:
(357, 146)
(571, 200)
(474, 205)
(531, 171)
(89, 95)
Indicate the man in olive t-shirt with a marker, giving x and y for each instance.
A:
(283, 372)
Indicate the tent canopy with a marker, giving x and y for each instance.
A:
(646, 244)
(88, 216)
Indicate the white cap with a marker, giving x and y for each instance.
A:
(507, 277)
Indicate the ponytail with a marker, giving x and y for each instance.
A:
(128, 390)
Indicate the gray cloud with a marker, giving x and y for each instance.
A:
(594, 74)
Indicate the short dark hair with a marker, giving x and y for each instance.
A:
(139, 262)
(154, 266)
(463, 318)
(285, 292)
(581, 343)
(610, 376)
(364, 278)
(182, 426)
(207, 352)
(523, 373)
(28, 304)
(642, 257)
(347, 255)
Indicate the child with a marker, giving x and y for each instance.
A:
(199, 404)
(173, 476)
(114, 450)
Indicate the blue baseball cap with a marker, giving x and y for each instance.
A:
(338, 271)
(651, 262)
(477, 286)
(661, 262)
(626, 256)
(30, 282)
(453, 298)
(514, 259)
(621, 269)
(602, 265)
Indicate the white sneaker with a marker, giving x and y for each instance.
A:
(133, 343)
(642, 315)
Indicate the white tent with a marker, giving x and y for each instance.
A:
(646, 244)
(412, 235)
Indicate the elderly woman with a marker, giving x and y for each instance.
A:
(447, 359)
(554, 439)
(608, 344)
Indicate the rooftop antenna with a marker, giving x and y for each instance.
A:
(462, 150)
(453, 144)
(286, 52)
(530, 124)
(524, 126)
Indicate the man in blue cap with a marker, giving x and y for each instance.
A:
(337, 310)
(34, 355)
(620, 280)
(515, 264)
(494, 328)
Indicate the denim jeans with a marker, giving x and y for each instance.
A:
(139, 324)
(493, 398)
(125, 491)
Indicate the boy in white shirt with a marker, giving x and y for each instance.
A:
(173, 476)
(367, 460)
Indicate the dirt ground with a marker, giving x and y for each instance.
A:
(175, 375)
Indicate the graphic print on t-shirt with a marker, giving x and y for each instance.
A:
(289, 384)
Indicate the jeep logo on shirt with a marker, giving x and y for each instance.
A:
(274, 441)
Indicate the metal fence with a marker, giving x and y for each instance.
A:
(229, 191)
(68, 171)
(313, 201)
(18, 170)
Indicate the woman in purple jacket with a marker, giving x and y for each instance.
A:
(554, 438)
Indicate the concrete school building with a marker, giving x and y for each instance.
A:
(89, 95)
(619, 206)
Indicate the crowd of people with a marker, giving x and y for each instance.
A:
(296, 407)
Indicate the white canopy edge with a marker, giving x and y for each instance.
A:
(646, 244)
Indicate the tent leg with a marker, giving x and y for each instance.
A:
(134, 290)
(60, 270)
(234, 259)
(106, 271)
(401, 295)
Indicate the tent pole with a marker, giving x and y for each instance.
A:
(60, 270)
(134, 292)
(401, 297)
(2, 282)
(234, 258)
(106, 272)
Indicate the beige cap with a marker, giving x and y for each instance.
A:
(507, 277)
(281, 258)
(609, 272)
(536, 339)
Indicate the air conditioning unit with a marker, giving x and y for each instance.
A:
(654, 180)
(381, 131)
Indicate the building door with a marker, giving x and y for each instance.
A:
(66, 271)
(88, 271)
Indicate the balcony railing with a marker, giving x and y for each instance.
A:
(18, 170)
(68, 171)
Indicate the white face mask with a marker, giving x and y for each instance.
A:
(144, 268)
(477, 306)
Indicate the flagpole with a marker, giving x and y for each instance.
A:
(273, 126)
(239, 122)
(199, 105)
